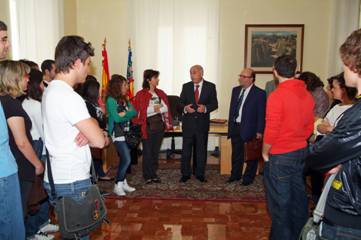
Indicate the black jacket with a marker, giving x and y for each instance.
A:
(342, 146)
(198, 122)
(253, 113)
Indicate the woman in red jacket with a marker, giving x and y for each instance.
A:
(154, 117)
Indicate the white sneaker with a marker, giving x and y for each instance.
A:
(49, 228)
(118, 189)
(42, 236)
(127, 188)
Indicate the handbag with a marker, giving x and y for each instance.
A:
(118, 130)
(78, 218)
(253, 150)
(311, 230)
(133, 136)
(155, 123)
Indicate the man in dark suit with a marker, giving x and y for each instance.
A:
(246, 122)
(198, 99)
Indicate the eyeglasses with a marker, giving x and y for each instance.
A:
(244, 76)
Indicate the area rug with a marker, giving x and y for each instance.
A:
(215, 189)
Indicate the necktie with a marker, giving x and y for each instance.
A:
(239, 104)
(196, 94)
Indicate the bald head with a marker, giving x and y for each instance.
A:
(246, 77)
(196, 73)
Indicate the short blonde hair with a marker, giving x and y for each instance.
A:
(11, 77)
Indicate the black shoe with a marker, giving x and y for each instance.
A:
(184, 179)
(148, 181)
(156, 180)
(232, 179)
(202, 179)
(246, 183)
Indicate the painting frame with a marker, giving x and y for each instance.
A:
(265, 42)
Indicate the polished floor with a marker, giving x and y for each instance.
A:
(144, 219)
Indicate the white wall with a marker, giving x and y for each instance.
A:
(96, 20)
(235, 14)
(110, 18)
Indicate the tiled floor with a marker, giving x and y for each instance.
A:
(143, 219)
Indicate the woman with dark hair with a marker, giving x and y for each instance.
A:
(37, 225)
(90, 91)
(154, 117)
(32, 106)
(346, 98)
(315, 86)
(120, 113)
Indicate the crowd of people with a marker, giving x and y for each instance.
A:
(57, 108)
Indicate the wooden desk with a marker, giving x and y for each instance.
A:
(110, 156)
(225, 146)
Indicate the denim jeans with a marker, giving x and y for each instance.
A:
(75, 190)
(339, 233)
(286, 194)
(98, 166)
(124, 155)
(41, 218)
(11, 214)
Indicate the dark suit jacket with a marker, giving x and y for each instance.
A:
(253, 113)
(198, 122)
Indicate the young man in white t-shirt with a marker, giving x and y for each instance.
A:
(69, 130)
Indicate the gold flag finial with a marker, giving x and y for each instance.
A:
(129, 44)
(105, 42)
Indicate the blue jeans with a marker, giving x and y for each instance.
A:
(286, 194)
(41, 218)
(339, 233)
(11, 214)
(75, 190)
(124, 155)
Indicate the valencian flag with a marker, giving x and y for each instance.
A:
(105, 73)
(130, 77)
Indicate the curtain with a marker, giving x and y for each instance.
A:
(171, 36)
(344, 19)
(36, 27)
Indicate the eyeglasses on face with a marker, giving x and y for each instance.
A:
(244, 76)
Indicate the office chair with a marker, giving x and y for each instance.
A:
(176, 113)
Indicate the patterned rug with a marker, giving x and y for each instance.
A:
(169, 171)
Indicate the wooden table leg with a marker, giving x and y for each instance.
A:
(225, 161)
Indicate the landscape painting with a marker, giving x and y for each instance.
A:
(264, 43)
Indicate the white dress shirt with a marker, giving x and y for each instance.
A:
(200, 85)
(199, 88)
(246, 91)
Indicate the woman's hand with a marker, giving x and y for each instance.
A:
(334, 170)
(121, 114)
(325, 127)
(157, 108)
(39, 169)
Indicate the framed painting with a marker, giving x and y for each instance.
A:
(265, 42)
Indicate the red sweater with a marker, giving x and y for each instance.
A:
(289, 117)
(141, 102)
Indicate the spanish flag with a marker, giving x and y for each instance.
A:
(130, 77)
(105, 73)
